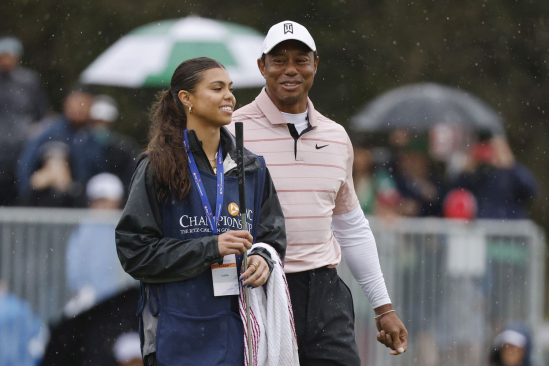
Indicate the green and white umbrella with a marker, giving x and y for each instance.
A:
(148, 55)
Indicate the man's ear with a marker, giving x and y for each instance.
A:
(261, 67)
(316, 63)
(186, 98)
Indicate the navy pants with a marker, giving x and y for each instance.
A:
(324, 318)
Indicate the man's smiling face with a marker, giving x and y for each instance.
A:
(289, 70)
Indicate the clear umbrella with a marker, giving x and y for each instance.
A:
(420, 106)
(148, 55)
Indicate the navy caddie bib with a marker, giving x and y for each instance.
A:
(195, 327)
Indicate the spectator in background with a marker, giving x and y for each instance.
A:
(459, 204)
(120, 151)
(85, 154)
(502, 187)
(52, 182)
(22, 103)
(512, 347)
(89, 337)
(93, 270)
(22, 334)
(416, 182)
(375, 188)
(103, 308)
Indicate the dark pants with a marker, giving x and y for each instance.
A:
(150, 360)
(8, 191)
(324, 318)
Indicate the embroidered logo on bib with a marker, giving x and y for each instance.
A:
(233, 209)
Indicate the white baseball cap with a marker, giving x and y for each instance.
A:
(105, 185)
(11, 45)
(511, 337)
(104, 109)
(285, 31)
(127, 347)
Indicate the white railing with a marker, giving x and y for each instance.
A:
(454, 284)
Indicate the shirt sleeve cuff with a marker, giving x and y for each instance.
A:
(266, 255)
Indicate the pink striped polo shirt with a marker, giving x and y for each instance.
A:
(313, 178)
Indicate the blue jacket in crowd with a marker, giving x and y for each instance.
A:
(85, 154)
(22, 333)
(500, 193)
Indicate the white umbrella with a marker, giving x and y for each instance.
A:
(148, 55)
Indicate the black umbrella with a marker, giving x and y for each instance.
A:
(420, 106)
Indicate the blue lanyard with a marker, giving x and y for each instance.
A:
(212, 221)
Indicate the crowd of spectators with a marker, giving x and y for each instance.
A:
(48, 158)
(71, 159)
(404, 178)
(406, 175)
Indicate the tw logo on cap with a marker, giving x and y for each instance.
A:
(288, 28)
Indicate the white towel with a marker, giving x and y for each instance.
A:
(274, 342)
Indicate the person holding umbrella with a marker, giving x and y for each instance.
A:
(180, 233)
(311, 159)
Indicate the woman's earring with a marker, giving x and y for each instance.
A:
(190, 110)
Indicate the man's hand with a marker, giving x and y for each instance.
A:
(503, 156)
(392, 333)
(55, 174)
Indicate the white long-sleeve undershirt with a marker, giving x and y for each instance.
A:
(359, 251)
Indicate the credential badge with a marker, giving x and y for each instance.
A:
(288, 28)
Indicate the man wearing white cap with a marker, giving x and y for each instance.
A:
(92, 265)
(310, 158)
(512, 347)
(120, 151)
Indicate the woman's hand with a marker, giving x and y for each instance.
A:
(234, 242)
(257, 273)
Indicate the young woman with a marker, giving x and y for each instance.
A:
(181, 222)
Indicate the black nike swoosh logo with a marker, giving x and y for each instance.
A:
(320, 147)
